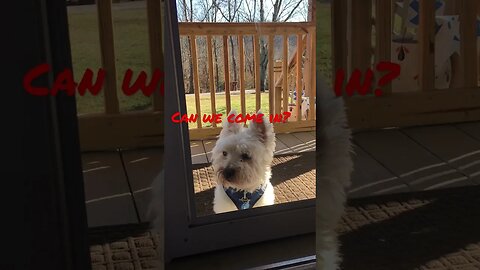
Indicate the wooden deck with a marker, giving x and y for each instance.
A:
(286, 143)
(414, 159)
(386, 161)
(117, 184)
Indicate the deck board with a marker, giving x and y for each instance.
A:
(306, 137)
(451, 145)
(385, 161)
(201, 151)
(309, 140)
(108, 197)
(293, 143)
(142, 167)
(208, 145)
(280, 148)
(198, 152)
(415, 166)
(370, 178)
(472, 129)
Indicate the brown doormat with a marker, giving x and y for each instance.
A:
(124, 247)
(432, 230)
(293, 179)
(425, 230)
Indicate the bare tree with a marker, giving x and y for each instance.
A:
(231, 14)
(232, 11)
(212, 17)
(283, 11)
(186, 15)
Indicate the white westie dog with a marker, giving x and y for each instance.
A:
(241, 161)
(334, 168)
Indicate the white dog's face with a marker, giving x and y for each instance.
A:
(242, 156)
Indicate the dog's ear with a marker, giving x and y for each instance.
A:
(230, 127)
(261, 128)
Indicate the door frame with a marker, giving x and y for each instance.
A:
(185, 233)
(49, 225)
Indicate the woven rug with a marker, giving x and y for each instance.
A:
(125, 247)
(434, 230)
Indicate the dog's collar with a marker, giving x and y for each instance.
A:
(243, 199)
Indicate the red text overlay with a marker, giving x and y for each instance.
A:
(354, 84)
(64, 82)
(238, 118)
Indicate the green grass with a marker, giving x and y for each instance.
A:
(324, 43)
(132, 51)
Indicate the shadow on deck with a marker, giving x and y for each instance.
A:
(412, 203)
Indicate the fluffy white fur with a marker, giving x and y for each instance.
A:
(156, 215)
(249, 153)
(334, 167)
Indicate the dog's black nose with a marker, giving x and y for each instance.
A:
(228, 173)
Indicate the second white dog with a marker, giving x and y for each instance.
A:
(241, 161)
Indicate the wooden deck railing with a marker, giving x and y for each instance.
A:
(301, 64)
(112, 128)
(352, 48)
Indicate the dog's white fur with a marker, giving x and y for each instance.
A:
(257, 142)
(334, 167)
(155, 214)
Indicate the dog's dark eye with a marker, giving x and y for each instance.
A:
(245, 157)
(224, 153)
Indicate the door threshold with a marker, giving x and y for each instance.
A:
(303, 263)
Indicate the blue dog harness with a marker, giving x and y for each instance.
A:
(245, 200)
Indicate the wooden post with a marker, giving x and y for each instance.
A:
(360, 41)
(451, 8)
(311, 58)
(211, 78)
(307, 67)
(383, 35)
(107, 48)
(313, 78)
(271, 83)
(312, 11)
(156, 44)
(468, 42)
(339, 36)
(256, 49)
(285, 73)
(299, 77)
(226, 68)
(241, 54)
(278, 89)
(426, 42)
(196, 83)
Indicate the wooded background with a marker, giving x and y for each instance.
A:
(235, 11)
